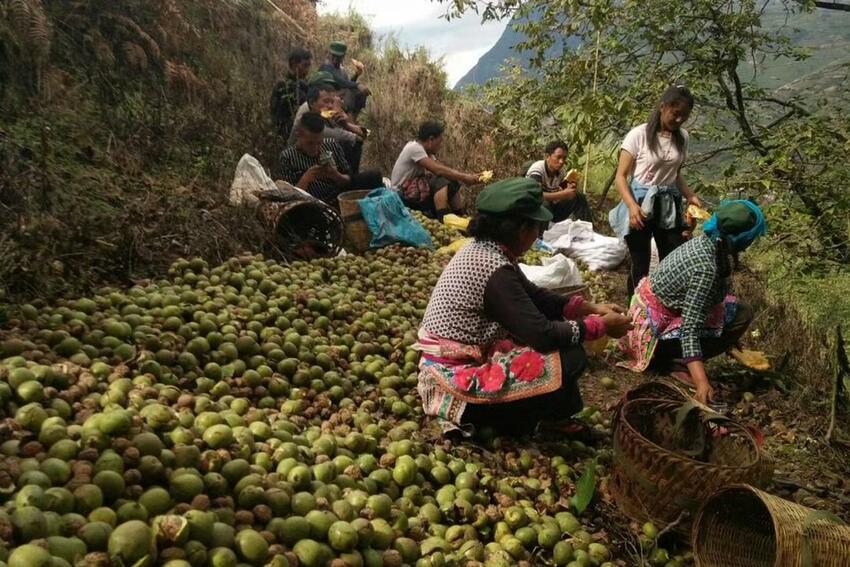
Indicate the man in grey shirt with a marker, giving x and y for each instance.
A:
(559, 191)
(424, 183)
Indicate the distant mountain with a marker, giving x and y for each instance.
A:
(825, 32)
(488, 67)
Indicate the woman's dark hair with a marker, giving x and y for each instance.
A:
(674, 95)
(552, 146)
(501, 228)
(727, 258)
(430, 130)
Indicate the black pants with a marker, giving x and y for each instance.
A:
(353, 155)
(578, 208)
(366, 180)
(429, 208)
(522, 416)
(640, 249)
(669, 351)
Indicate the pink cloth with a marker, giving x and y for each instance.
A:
(572, 310)
(594, 328)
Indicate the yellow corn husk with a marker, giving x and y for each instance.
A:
(698, 213)
(454, 221)
(486, 176)
(572, 176)
(752, 359)
(454, 247)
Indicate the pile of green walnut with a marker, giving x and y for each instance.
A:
(255, 414)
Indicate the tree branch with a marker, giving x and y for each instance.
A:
(702, 158)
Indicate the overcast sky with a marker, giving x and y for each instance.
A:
(417, 22)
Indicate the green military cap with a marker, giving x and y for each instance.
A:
(321, 78)
(339, 49)
(517, 195)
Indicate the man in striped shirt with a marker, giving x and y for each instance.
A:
(317, 164)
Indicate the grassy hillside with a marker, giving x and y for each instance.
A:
(121, 124)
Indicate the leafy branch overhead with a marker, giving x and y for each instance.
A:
(746, 135)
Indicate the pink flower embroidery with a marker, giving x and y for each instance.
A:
(491, 378)
(463, 378)
(503, 346)
(528, 366)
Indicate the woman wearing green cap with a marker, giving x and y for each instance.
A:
(682, 313)
(497, 350)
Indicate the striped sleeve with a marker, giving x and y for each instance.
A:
(290, 167)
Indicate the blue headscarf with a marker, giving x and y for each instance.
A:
(739, 234)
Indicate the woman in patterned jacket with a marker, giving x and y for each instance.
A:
(497, 351)
(682, 312)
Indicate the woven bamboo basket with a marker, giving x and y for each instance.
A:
(300, 226)
(656, 390)
(357, 233)
(671, 455)
(741, 526)
(653, 390)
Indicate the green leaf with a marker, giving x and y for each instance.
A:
(585, 488)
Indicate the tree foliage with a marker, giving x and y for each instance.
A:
(782, 148)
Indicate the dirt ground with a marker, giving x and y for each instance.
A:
(807, 470)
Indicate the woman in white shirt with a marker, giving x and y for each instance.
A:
(649, 179)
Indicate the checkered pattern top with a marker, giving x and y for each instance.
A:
(687, 281)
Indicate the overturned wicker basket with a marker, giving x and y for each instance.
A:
(741, 526)
(298, 225)
(671, 455)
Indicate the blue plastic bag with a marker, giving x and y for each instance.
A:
(390, 222)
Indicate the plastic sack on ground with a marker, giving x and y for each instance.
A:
(541, 246)
(390, 222)
(250, 178)
(556, 272)
(577, 240)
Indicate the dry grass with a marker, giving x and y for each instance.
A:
(121, 130)
(178, 91)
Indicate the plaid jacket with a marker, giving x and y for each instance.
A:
(687, 281)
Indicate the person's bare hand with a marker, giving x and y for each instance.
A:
(694, 200)
(472, 180)
(637, 217)
(605, 308)
(314, 171)
(616, 325)
(704, 393)
(326, 171)
(568, 193)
